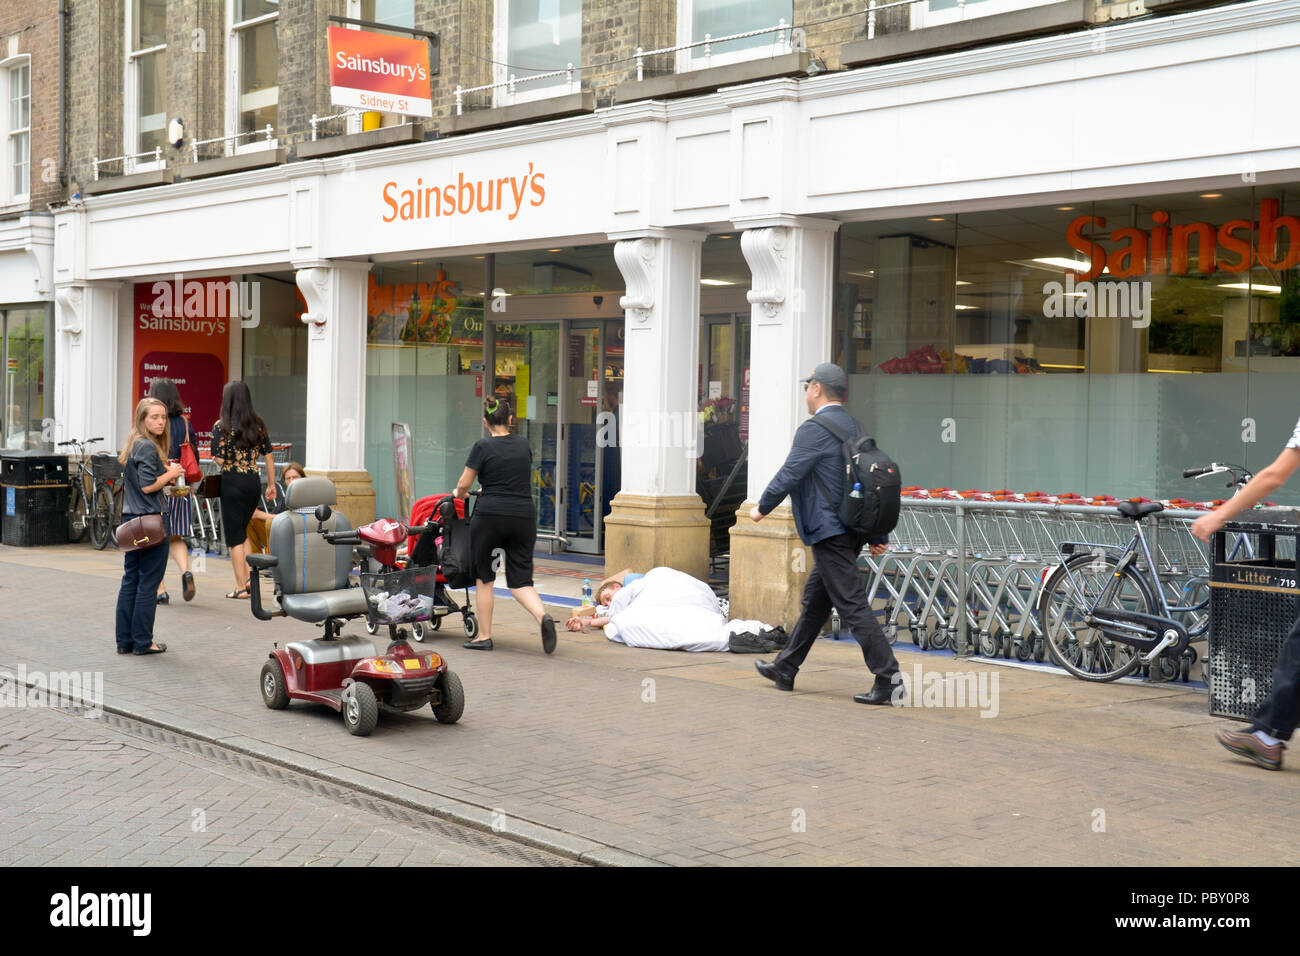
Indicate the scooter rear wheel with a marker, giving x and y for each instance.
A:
(274, 694)
(453, 699)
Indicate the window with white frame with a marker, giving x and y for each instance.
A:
(933, 13)
(16, 87)
(145, 114)
(253, 70)
(701, 19)
(535, 37)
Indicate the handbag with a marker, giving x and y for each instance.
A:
(146, 531)
(210, 486)
(190, 461)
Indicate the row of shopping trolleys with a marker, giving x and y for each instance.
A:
(965, 570)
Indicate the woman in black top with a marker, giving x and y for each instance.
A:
(238, 437)
(505, 521)
(145, 474)
(176, 500)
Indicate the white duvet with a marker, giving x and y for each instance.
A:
(671, 611)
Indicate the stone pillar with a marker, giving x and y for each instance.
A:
(657, 518)
(86, 366)
(336, 381)
(792, 261)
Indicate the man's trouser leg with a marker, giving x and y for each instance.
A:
(837, 559)
(1280, 712)
(816, 609)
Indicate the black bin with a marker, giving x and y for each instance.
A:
(1254, 602)
(33, 498)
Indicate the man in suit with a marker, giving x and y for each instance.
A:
(835, 580)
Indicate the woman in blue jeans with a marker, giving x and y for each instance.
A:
(145, 474)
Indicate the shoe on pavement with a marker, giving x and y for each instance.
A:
(485, 645)
(887, 690)
(125, 650)
(548, 633)
(164, 598)
(187, 580)
(158, 648)
(1245, 744)
(769, 671)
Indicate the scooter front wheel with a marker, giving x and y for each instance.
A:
(453, 699)
(274, 694)
(360, 709)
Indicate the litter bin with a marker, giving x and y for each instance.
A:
(34, 496)
(1254, 601)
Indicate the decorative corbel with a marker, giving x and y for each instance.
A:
(764, 250)
(71, 299)
(314, 283)
(636, 259)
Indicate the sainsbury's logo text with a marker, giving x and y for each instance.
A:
(464, 196)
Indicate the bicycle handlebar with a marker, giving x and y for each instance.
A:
(1196, 472)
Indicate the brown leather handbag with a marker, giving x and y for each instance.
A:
(146, 531)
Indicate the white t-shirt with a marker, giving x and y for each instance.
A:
(1295, 437)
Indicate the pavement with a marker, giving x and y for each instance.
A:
(610, 755)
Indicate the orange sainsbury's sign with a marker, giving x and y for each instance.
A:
(375, 71)
(1235, 246)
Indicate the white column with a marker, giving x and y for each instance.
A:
(86, 366)
(336, 363)
(659, 419)
(792, 262)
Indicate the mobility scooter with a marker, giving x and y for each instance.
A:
(311, 569)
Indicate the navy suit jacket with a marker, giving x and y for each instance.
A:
(815, 451)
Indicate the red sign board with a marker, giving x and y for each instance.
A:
(376, 71)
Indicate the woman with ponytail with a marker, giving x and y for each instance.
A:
(505, 521)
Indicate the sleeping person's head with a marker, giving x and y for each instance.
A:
(607, 592)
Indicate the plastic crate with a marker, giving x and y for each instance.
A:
(399, 597)
(1253, 605)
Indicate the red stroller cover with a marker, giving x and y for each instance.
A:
(423, 510)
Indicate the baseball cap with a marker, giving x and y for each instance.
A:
(828, 373)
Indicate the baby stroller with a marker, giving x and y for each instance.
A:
(423, 550)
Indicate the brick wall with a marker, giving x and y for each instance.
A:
(32, 29)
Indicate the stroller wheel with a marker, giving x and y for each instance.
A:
(417, 631)
(471, 626)
(371, 627)
(434, 623)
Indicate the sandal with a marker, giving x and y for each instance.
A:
(240, 594)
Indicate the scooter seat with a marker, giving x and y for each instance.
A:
(316, 606)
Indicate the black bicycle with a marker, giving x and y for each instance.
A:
(1103, 610)
(100, 511)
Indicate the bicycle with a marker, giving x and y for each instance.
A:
(1103, 610)
(101, 511)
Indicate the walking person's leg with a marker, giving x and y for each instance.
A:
(814, 612)
(519, 543)
(485, 546)
(152, 564)
(848, 593)
(1278, 716)
(126, 601)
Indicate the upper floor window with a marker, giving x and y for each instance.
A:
(254, 70)
(697, 19)
(536, 37)
(398, 13)
(16, 86)
(933, 13)
(145, 114)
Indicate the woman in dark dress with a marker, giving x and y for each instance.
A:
(145, 474)
(238, 438)
(176, 498)
(505, 521)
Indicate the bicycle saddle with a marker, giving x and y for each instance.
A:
(1137, 510)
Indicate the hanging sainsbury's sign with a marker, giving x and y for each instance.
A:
(375, 71)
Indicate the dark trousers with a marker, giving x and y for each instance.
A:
(137, 600)
(836, 582)
(1280, 712)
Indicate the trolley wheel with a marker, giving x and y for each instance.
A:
(921, 637)
(940, 639)
(274, 694)
(453, 699)
(1184, 668)
(360, 709)
(1163, 669)
(1024, 649)
(1040, 649)
(891, 633)
(989, 644)
(471, 626)
(417, 631)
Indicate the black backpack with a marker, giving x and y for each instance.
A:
(874, 514)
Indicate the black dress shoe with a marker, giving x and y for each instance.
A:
(164, 598)
(187, 581)
(125, 650)
(479, 645)
(548, 633)
(887, 690)
(771, 673)
(158, 648)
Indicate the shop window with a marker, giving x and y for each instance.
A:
(532, 38)
(144, 112)
(16, 84)
(23, 342)
(253, 73)
(697, 19)
(273, 352)
(933, 13)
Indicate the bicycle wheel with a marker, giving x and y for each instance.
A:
(77, 519)
(101, 518)
(1084, 651)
